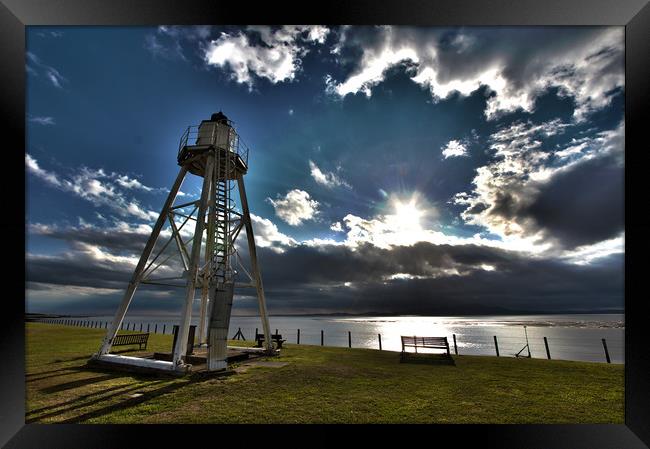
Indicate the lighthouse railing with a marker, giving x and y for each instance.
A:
(219, 136)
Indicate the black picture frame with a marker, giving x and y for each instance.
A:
(633, 14)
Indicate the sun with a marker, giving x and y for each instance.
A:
(407, 213)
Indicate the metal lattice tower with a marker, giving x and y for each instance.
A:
(214, 152)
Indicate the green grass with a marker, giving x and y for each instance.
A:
(319, 385)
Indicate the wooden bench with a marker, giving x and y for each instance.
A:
(259, 339)
(424, 342)
(131, 339)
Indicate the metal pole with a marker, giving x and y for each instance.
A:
(496, 345)
(455, 346)
(548, 353)
(135, 279)
(254, 265)
(379, 335)
(192, 275)
(606, 351)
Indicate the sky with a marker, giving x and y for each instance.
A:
(392, 170)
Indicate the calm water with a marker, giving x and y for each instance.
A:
(570, 337)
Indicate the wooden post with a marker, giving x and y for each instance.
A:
(276, 332)
(148, 327)
(349, 339)
(606, 351)
(298, 339)
(548, 353)
(379, 335)
(122, 328)
(321, 338)
(496, 345)
(140, 327)
(155, 331)
(164, 326)
(455, 346)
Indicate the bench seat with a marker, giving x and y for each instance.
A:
(424, 342)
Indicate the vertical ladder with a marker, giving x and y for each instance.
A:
(221, 249)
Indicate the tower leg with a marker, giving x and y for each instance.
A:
(135, 279)
(183, 333)
(254, 265)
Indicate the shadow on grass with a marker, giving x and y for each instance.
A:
(82, 401)
(132, 402)
(431, 359)
(76, 383)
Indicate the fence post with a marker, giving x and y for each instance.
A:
(276, 332)
(155, 331)
(349, 339)
(321, 338)
(148, 327)
(106, 325)
(455, 347)
(496, 345)
(379, 335)
(164, 326)
(122, 325)
(298, 339)
(606, 351)
(548, 353)
(140, 327)
(255, 334)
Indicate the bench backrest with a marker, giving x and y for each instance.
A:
(273, 337)
(424, 341)
(128, 339)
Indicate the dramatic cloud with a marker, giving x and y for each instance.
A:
(97, 187)
(296, 206)
(277, 58)
(327, 179)
(570, 197)
(454, 148)
(585, 65)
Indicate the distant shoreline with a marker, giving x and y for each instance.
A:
(34, 315)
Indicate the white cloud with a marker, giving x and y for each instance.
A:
(36, 170)
(267, 235)
(336, 227)
(328, 179)
(41, 120)
(297, 206)
(454, 148)
(50, 72)
(278, 60)
(587, 254)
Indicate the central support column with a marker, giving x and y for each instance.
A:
(181, 342)
(220, 308)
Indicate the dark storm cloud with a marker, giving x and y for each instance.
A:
(582, 206)
(306, 277)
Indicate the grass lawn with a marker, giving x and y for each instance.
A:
(319, 385)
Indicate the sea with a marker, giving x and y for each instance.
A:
(569, 337)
